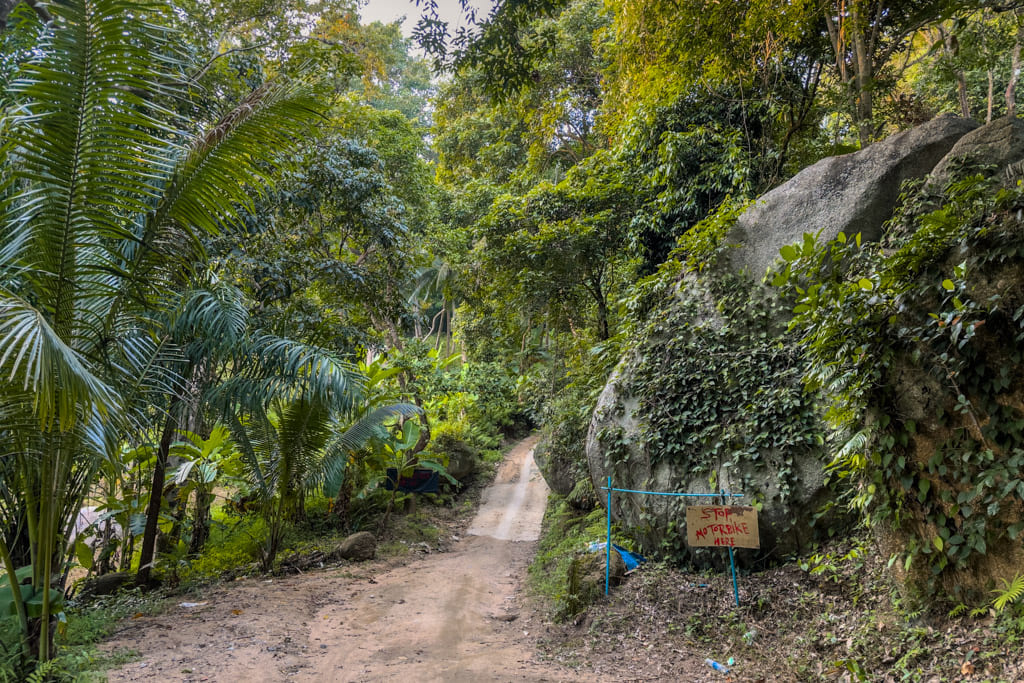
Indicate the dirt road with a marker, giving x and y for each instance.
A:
(452, 616)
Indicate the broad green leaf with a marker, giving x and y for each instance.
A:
(84, 554)
(22, 574)
(34, 605)
(7, 598)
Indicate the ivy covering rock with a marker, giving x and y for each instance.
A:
(711, 398)
(918, 341)
(711, 395)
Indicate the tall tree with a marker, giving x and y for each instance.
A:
(104, 208)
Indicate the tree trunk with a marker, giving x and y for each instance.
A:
(343, 502)
(863, 78)
(847, 36)
(961, 88)
(1011, 87)
(991, 96)
(156, 498)
(201, 521)
(177, 508)
(604, 327)
(949, 48)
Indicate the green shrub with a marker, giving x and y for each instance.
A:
(233, 546)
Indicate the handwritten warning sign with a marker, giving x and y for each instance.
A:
(726, 526)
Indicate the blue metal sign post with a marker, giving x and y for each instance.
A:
(608, 541)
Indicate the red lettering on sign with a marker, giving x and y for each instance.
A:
(720, 525)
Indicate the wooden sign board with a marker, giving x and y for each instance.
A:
(724, 526)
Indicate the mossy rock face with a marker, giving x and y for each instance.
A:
(961, 490)
(993, 147)
(786, 478)
(710, 398)
(558, 464)
(920, 347)
(585, 580)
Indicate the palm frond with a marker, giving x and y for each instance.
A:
(348, 440)
(256, 439)
(303, 430)
(211, 318)
(289, 370)
(36, 359)
(359, 433)
(147, 369)
(226, 167)
(84, 141)
(1010, 593)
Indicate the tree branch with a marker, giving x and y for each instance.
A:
(206, 67)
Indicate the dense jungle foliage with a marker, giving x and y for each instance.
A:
(254, 254)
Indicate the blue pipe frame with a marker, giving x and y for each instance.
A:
(608, 541)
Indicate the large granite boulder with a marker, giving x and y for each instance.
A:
(787, 481)
(780, 460)
(461, 456)
(556, 465)
(462, 463)
(994, 146)
(851, 193)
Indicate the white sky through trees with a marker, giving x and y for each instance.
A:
(387, 11)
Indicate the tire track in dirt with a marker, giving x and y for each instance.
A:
(450, 617)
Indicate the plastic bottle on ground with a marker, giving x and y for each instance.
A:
(716, 666)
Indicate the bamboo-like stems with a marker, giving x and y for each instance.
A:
(19, 604)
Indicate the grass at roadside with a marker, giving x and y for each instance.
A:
(565, 533)
(78, 634)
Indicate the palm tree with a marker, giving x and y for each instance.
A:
(103, 204)
(433, 282)
(290, 409)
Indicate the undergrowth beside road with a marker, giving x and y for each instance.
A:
(832, 616)
(566, 532)
(79, 659)
(232, 552)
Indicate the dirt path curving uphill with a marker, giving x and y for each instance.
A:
(453, 616)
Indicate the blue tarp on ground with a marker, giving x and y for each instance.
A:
(632, 560)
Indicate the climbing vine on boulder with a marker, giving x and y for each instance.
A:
(918, 340)
(709, 397)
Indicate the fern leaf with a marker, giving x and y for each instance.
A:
(1011, 593)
